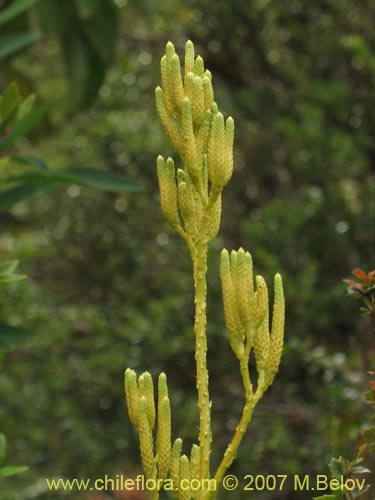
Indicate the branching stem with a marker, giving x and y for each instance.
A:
(247, 412)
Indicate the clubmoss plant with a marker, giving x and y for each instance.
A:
(191, 203)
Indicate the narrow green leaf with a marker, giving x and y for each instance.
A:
(3, 447)
(12, 470)
(22, 127)
(15, 9)
(8, 267)
(10, 101)
(12, 335)
(4, 123)
(26, 106)
(10, 44)
(12, 278)
(24, 192)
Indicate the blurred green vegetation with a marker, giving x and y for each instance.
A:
(109, 285)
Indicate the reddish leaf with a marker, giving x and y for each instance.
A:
(354, 284)
(360, 274)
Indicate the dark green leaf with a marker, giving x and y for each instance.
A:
(100, 179)
(55, 15)
(10, 101)
(84, 65)
(4, 124)
(12, 470)
(26, 106)
(15, 9)
(107, 181)
(10, 44)
(24, 192)
(12, 335)
(102, 27)
(88, 8)
(30, 160)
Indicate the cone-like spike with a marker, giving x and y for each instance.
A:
(202, 134)
(194, 462)
(132, 397)
(145, 439)
(189, 58)
(208, 92)
(244, 289)
(198, 107)
(277, 334)
(177, 86)
(170, 50)
(162, 386)
(167, 121)
(175, 461)
(235, 331)
(164, 437)
(146, 389)
(184, 475)
(199, 66)
(167, 85)
(262, 336)
(193, 163)
(229, 137)
(168, 191)
(214, 219)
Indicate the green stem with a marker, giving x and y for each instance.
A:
(154, 494)
(247, 412)
(200, 271)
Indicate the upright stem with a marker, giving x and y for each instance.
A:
(200, 271)
(247, 412)
(154, 494)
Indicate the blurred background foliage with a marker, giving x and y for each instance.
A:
(109, 285)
